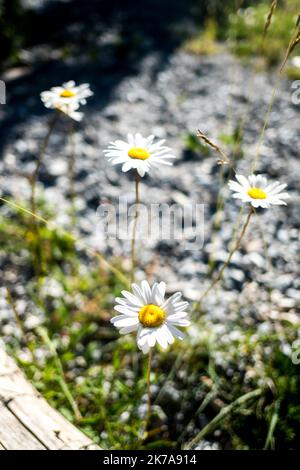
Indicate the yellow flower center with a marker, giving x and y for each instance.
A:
(151, 316)
(67, 94)
(138, 153)
(256, 193)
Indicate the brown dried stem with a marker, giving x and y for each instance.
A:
(224, 160)
(269, 17)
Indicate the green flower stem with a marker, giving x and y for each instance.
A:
(136, 215)
(33, 179)
(148, 378)
(44, 146)
(72, 161)
(61, 379)
(211, 426)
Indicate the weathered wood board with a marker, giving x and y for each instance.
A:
(27, 421)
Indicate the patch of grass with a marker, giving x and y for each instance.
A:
(246, 27)
(241, 25)
(205, 42)
(73, 299)
(193, 147)
(293, 72)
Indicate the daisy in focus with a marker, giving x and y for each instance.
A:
(256, 190)
(139, 153)
(155, 319)
(67, 98)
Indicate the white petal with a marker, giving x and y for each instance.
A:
(135, 301)
(69, 84)
(131, 140)
(127, 166)
(161, 338)
(127, 310)
(142, 336)
(178, 322)
(234, 186)
(127, 321)
(278, 202)
(146, 291)
(139, 140)
(118, 159)
(122, 301)
(149, 140)
(156, 295)
(141, 171)
(146, 338)
(152, 338)
(180, 305)
(162, 289)
(171, 299)
(277, 189)
(255, 203)
(177, 316)
(128, 329)
(145, 348)
(177, 333)
(168, 334)
(238, 196)
(244, 182)
(117, 317)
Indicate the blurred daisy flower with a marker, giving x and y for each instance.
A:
(295, 61)
(67, 98)
(139, 153)
(155, 319)
(256, 190)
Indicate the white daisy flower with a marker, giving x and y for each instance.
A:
(155, 319)
(139, 153)
(67, 98)
(256, 190)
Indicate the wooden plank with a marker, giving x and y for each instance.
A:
(34, 413)
(13, 435)
(48, 425)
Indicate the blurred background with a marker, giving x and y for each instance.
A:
(167, 67)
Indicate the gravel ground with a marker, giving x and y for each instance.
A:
(170, 97)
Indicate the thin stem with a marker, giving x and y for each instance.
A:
(222, 414)
(273, 423)
(54, 226)
(35, 174)
(37, 255)
(148, 414)
(212, 394)
(61, 379)
(224, 160)
(72, 161)
(136, 215)
(226, 263)
(293, 42)
(19, 323)
(265, 124)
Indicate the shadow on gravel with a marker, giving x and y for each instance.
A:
(97, 41)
